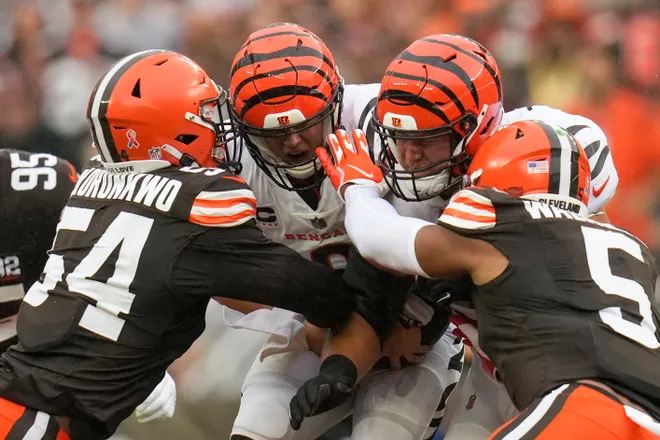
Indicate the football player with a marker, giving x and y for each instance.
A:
(564, 302)
(33, 191)
(286, 96)
(437, 103)
(149, 235)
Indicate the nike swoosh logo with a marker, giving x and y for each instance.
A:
(446, 296)
(367, 175)
(598, 191)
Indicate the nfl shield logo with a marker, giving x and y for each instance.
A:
(319, 223)
(155, 153)
(470, 403)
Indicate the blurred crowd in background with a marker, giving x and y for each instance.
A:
(598, 58)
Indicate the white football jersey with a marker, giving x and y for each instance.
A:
(285, 218)
(604, 178)
(358, 106)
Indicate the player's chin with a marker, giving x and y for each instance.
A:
(299, 158)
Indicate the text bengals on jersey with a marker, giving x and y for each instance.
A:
(315, 237)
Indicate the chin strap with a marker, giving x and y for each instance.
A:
(184, 159)
(233, 166)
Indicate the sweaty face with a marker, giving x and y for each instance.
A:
(414, 154)
(298, 147)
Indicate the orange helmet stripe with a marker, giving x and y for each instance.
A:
(443, 64)
(267, 65)
(277, 33)
(406, 97)
(476, 57)
(298, 51)
(447, 91)
(284, 70)
(284, 92)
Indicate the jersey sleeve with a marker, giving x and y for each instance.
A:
(469, 212)
(214, 198)
(223, 208)
(357, 110)
(604, 177)
(358, 104)
(242, 263)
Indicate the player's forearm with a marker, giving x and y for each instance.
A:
(380, 233)
(242, 265)
(358, 342)
(309, 288)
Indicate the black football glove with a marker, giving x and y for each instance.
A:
(332, 387)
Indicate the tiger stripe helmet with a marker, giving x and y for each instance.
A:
(160, 105)
(440, 85)
(284, 80)
(535, 160)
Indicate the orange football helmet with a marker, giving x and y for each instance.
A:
(160, 105)
(440, 85)
(534, 160)
(284, 80)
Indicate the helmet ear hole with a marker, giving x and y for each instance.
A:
(186, 139)
(136, 90)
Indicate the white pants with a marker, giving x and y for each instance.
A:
(397, 405)
(483, 406)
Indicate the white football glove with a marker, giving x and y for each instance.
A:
(161, 402)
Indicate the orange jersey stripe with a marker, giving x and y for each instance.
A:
(473, 204)
(241, 217)
(450, 212)
(199, 203)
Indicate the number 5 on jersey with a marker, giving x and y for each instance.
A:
(598, 244)
(130, 233)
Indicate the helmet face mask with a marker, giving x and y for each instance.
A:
(439, 177)
(160, 105)
(286, 95)
(266, 145)
(215, 114)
